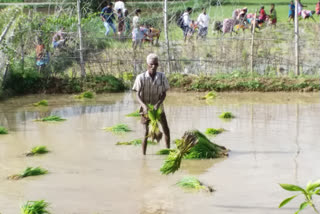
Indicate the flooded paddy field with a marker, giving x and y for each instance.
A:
(273, 139)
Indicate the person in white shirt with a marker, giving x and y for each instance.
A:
(203, 22)
(186, 22)
(136, 33)
(119, 5)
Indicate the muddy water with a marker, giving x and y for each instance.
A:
(274, 138)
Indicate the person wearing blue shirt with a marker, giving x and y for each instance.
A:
(107, 18)
(291, 11)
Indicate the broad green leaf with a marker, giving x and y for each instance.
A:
(287, 200)
(317, 192)
(302, 206)
(312, 186)
(291, 187)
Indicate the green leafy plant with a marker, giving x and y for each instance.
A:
(38, 150)
(164, 151)
(35, 207)
(118, 129)
(154, 116)
(226, 115)
(134, 114)
(193, 145)
(3, 130)
(213, 131)
(312, 188)
(190, 183)
(41, 103)
(210, 95)
(29, 171)
(52, 118)
(135, 142)
(86, 94)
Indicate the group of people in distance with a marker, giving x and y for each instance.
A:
(305, 14)
(140, 31)
(189, 27)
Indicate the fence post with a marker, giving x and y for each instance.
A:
(252, 39)
(165, 21)
(296, 37)
(83, 71)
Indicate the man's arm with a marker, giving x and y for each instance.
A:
(163, 96)
(144, 106)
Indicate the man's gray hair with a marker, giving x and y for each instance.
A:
(151, 57)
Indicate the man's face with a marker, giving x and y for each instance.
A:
(153, 66)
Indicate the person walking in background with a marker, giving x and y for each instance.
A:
(291, 11)
(186, 22)
(318, 8)
(136, 33)
(262, 15)
(120, 23)
(127, 21)
(58, 39)
(107, 17)
(299, 7)
(203, 22)
(151, 87)
(273, 15)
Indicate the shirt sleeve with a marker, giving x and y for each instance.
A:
(165, 83)
(137, 84)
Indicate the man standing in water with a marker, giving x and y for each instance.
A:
(151, 88)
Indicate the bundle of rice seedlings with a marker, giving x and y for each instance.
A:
(212, 131)
(135, 142)
(173, 161)
(154, 117)
(193, 145)
(226, 115)
(3, 130)
(194, 184)
(86, 94)
(210, 95)
(38, 150)
(118, 129)
(29, 171)
(134, 114)
(41, 103)
(35, 207)
(164, 151)
(52, 118)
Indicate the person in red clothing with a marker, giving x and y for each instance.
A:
(262, 15)
(318, 8)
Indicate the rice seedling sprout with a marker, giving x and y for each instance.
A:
(3, 130)
(210, 95)
(134, 142)
(29, 171)
(134, 114)
(227, 115)
(118, 129)
(41, 103)
(189, 182)
(86, 94)
(38, 150)
(154, 116)
(213, 131)
(35, 207)
(52, 118)
(165, 151)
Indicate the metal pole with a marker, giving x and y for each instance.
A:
(7, 28)
(83, 71)
(165, 21)
(252, 40)
(296, 37)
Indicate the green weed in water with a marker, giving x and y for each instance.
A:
(312, 189)
(35, 207)
(190, 183)
(226, 115)
(41, 103)
(135, 143)
(193, 145)
(38, 150)
(210, 95)
(52, 118)
(118, 129)
(86, 94)
(213, 131)
(164, 151)
(29, 171)
(134, 114)
(3, 130)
